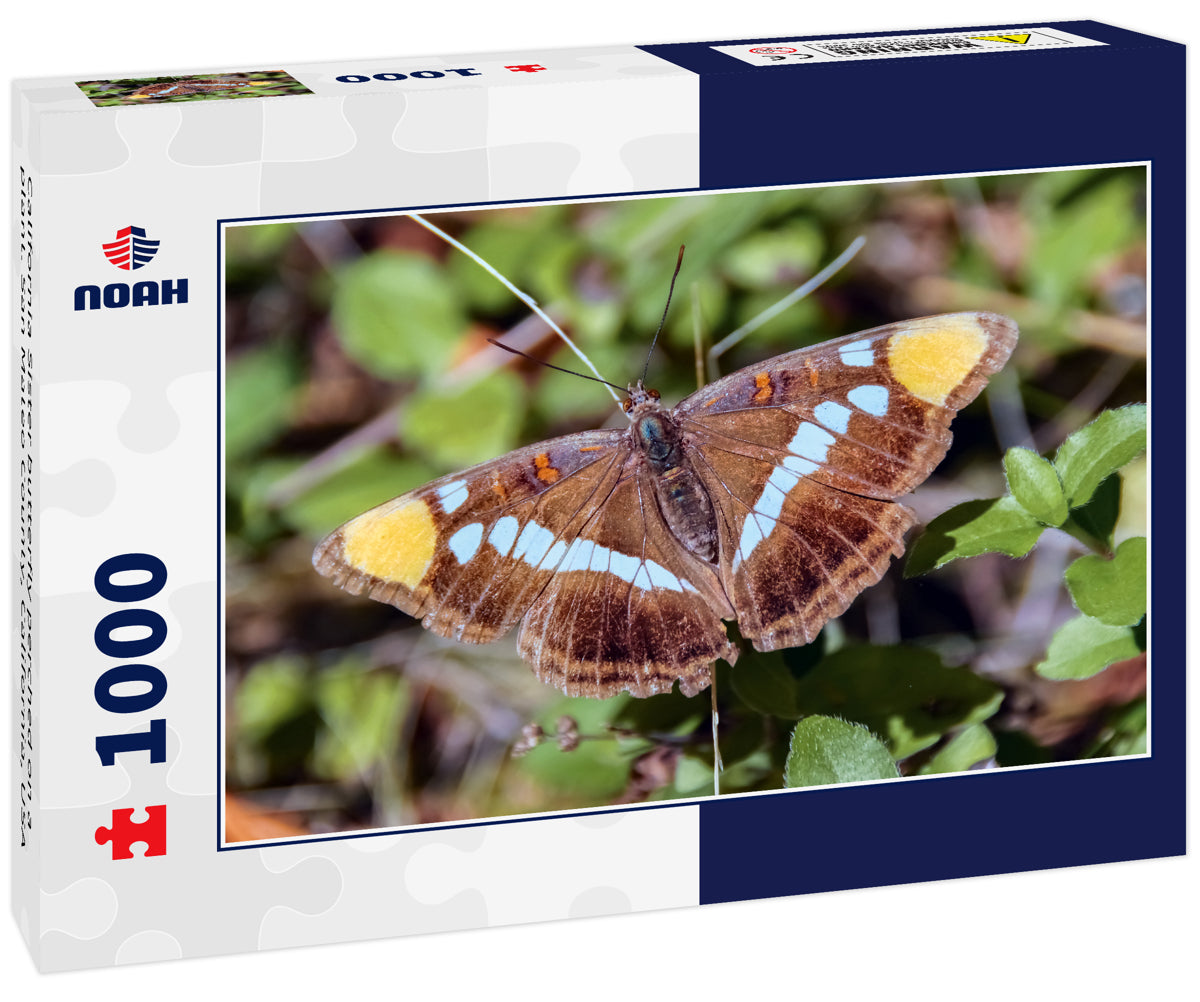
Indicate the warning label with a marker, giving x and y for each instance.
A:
(785, 53)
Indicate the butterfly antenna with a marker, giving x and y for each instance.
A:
(822, 276)
(662, 322)
(524, 297)
(548, 365)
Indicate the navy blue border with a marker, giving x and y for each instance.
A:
(1122, 102)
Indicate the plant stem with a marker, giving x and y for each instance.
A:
(1092, 542)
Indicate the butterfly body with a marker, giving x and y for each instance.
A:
(768, 496)
(682, 500)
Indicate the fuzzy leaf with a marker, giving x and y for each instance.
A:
(1112, 591)
(826, 750)
(1099, 449)
(1035, 484)
(993, 525)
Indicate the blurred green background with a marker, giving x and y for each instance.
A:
(357, 368)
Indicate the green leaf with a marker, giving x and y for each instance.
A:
(1099, 449)
(259, 393)
(1035, 484)
(1083, 647)
(359, 709)
(1099, 516)
(272, 692)
(969, 747)
(666, 712)
(904, 694)
(993, 525)
(759, 260)
(744, 736)
(507, 244)
(278, 722)
(1074, 236)
(1124, 733)
(801, 660)
(693, 775)
(467, 424)
(765, 684)
(1112, 591)
(396, 314)
(825, 750)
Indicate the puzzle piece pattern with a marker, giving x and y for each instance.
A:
(125, 832)
(535, 870)
(94, 435)
(149, 946)
(85, 909)
(569, 866)
(381, 154)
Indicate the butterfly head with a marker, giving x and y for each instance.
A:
(639, 397)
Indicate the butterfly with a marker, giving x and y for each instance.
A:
(769, 496)
(184, 86)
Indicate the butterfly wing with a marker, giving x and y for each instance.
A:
(629, 607)
(565, 534)
(805, 455)
(468, 553)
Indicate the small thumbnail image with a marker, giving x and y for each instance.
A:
(192, 87)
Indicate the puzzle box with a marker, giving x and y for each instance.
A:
(780, 607)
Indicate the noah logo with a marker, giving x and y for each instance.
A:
(131, 250)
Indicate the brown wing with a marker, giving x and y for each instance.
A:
(468, 553)
(628, 607)
(800, 554)
(804, 455)
(868, 413)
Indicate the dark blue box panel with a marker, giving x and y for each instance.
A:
(961, 826)
(942, 114)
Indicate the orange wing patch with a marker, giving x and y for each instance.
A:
(546, 473)
(765, 389)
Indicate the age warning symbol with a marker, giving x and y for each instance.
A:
(1019, 38)
(131, 250)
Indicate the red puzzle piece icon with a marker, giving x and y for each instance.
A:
(124, 832)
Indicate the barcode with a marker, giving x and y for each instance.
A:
(815, 51)
(890, 48)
